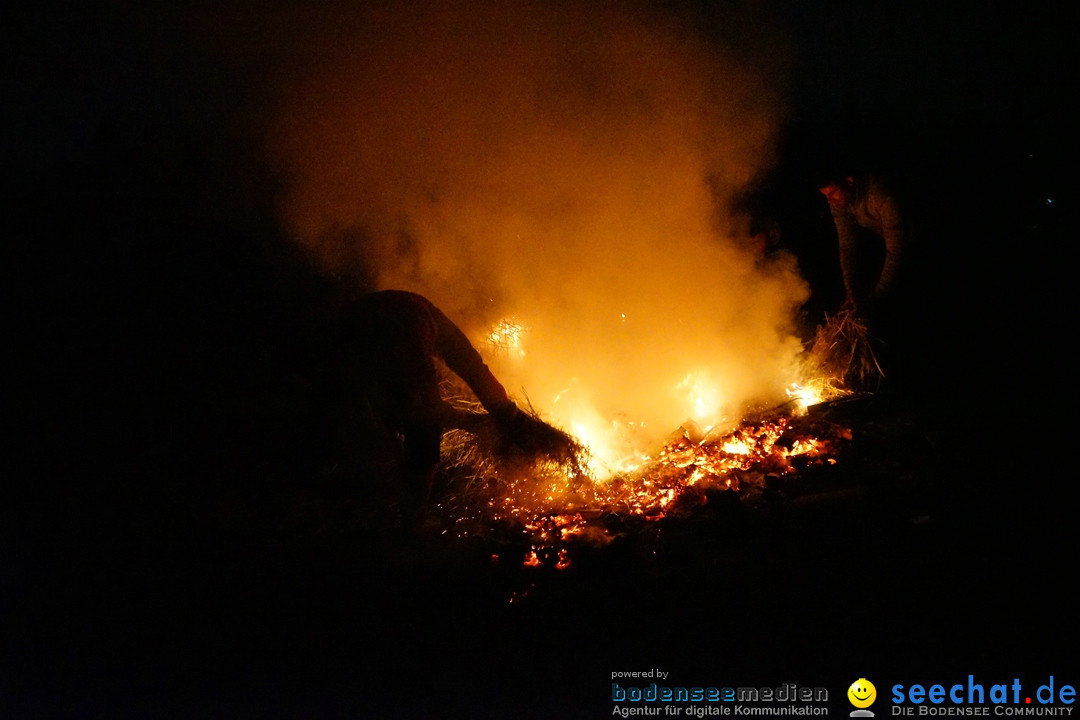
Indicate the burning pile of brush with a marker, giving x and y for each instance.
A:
(541, 489)
(535, 479)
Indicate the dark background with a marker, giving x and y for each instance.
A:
(162, 554)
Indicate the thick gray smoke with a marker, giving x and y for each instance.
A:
(566, 165)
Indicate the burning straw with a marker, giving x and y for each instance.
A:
(525, 442)
(841, 359)
(483, 456)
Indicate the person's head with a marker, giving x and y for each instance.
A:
(839, 192)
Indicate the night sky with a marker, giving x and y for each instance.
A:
(163, 346)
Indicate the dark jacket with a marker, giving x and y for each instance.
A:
(877, 212)
(393, 337)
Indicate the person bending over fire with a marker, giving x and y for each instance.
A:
(873, 238)
(887, 297)
(389, 343)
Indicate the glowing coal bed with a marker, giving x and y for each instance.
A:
(552, 507)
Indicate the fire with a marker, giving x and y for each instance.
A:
(621, 477)
(701, 395)
(806, 396)
(506, 337)
(555, 508)
(621, 445)
(555, 512)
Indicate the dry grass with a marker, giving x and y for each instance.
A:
(480, 441)
(842, 358)
(481, 455)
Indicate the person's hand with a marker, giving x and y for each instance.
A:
(866, 310)
(506, 414)
(869, 311)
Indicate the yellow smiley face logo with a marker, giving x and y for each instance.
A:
(862, 693)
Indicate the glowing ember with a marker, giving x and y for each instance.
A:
(554, 509)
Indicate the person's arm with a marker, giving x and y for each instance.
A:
(461, 357)
(847, 235)
(893, 233)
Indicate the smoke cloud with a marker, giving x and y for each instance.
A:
(568, 166)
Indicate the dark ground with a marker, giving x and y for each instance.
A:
(157, 562)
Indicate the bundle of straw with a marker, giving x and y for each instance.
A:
(481, 445)
(842, 356)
